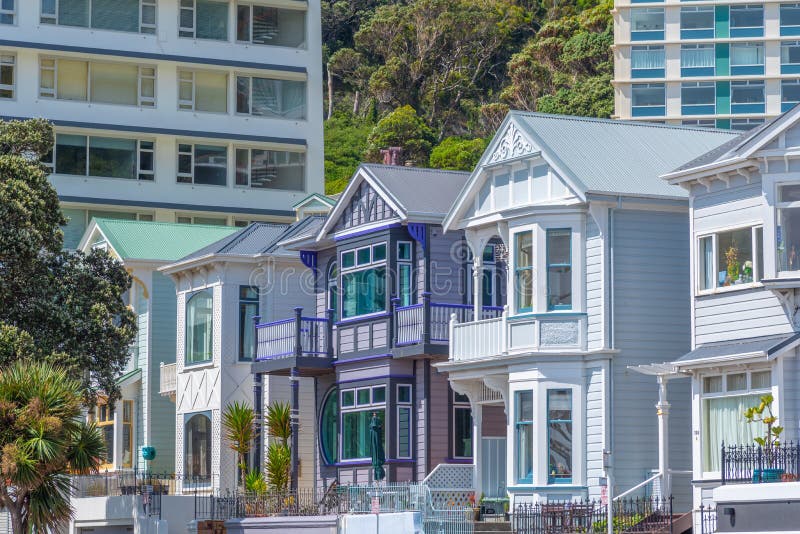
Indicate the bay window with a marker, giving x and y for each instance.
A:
(405, 273)
(197, 447)
(7, 11)
(559, 435)
(357, 407)
(7, 78)
(523, 436)
(119, 15)
(363, 281)
(202, 164)
(270, 169)
(559, 269)
(203, 19)
(105, 157)
(523, 271)
(269, 97)
(404, 421)
(248, 308)
(462, 426)
(199, 328)
(724, 398)
(267, 25)
(98, 82)
(788, 230)
(731, 258)
(203, 91)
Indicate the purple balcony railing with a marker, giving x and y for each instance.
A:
(298, 336)
(410, 321)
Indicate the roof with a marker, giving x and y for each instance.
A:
(417, 189)
(763, 347)
(327, 200)
(619, 157)
(247, 241)
(306, 228)
(158, 241)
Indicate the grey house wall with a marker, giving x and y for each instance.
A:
(651, 324)
(162, 410)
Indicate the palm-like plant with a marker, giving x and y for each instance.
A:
(239, 422)
(279, 455)
(42, 440)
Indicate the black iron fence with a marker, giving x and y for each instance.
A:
(138, 482)
(752, 464)
(303, 502)
(629, 515)
(708, 519)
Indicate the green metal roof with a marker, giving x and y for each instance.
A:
(159, 241)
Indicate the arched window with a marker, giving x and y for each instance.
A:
(333, 289)
(199, 327)
(329, 427)
(197, 448)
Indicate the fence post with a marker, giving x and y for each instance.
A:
(329, 333)
(670, 514)
(426, 317)
(298, 332)
(722, 462)
(760, 465)
(395, 301)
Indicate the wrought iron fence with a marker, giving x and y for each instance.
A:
(303, 502)
(629, 515)
(752, 464)
(708, 519)
(137, 482)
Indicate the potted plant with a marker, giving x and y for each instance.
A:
(476, 510)
(732, 259)
(762, 413)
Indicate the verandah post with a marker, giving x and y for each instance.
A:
(426, 317)
(298, 340)
(395, 301)
(329, 333)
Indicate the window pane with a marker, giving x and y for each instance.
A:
(348, 398)
(279, 27)
(735, 257)
(790, 15)
(107, 432)
(404, 284)
(242, 166)
(199, 324)
(112, 157)
(362, 397)
(706, 258)
(559, 270)
(278, 98)
(747, 16)
(712, 384)
(363, 292)
(210, 164)
(747, 93)
(243, 23)
(378, 395)
(789, 238)
(698, 93)
(697, 56)
(462, 432)
(212, 20)
(211, 91)
(790, 53)
(197, 449)
(242, 94)
(348, 259)
(524, 436)
(356, 433)
(697, 19)
(70, 154)
(647, 95)
(737, 382)
(72, 76)
(723, 423)
(645, 57)
(363, 256)
(379, 252)
(73, 12)
(647, 19)
(404, 394)
(524, 270)
(761, 380)
(121, 15)
(404, 251)
(404, 432)
(277, 170)
(247, 310)
(559, 406)
(747, 54)
(329, 431)
(790, 91)
(113, 83)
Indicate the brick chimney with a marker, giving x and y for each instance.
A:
(392, 155)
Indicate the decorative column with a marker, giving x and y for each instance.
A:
(477, 285)
(662, 409)
(477, 424)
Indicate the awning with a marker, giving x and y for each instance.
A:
(754, 348)
(129, 378)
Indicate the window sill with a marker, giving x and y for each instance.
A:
(729, 289)
(198, 365)
(366, 317)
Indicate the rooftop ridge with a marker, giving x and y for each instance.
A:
(578, 118)
(417, 169)
(161, 223)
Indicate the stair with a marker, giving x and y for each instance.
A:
(486, 527)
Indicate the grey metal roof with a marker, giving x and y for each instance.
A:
(619, 157)
(252, 239)
(305, 228)
(420, 190)
(758, 346)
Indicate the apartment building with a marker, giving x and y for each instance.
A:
(715, 64)
(188, 111)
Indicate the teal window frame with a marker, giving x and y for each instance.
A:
(189, 329)
(520, 271)
(520, 428)
(553, 476)
(552, 232)
(246, 327)
(366, 271)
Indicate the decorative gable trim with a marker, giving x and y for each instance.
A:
(417, 231)
(512, 145)
(309, 259)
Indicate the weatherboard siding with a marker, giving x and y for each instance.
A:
(142, 409)
(74, 229)
(595, 290)
(728, 208)
(738, 315)
(595, 429)
(789, 397)
(163, 349)
(445, 267)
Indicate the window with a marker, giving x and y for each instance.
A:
(559, 269)
(248, 308)
(203, 19)
(747, 96)
(203, 91)
(724, 400)
(7, 11)
(697, 59)
(747, 20)
(788, 230)
(127, 433)
(729, 259)
(404, 421)
(329, 427)
(267, 97)
(790, 94)
(745, 124)
(698, 98)
(523, 436)
(119, 15)
(647, 23)
(647, 61)
(358, 405)
(523, 271)
(199, 328)
(267, 25)
(270, 169)
(104, 418)
(462, 426)
(364, 281)
(107, 83)
(697, 22)
(333, 290)
(489, 296)
(7, 81)
(105, 157)
(202, 164)
(405, 273)
(747, 58)
(701, 123)
(559, 435)
(648, 99)
(197, 448)
(212, 221)
(790, 19)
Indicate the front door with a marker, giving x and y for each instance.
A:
(493, 467)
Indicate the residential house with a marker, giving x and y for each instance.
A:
(386, 280)
(597, 271)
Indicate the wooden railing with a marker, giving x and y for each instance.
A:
(478, 339)
(168, 382)
(411, 321)
(298, 336)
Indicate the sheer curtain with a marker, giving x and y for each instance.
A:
(742, 54)
(647, 59)
(697, 57)
(724, 422)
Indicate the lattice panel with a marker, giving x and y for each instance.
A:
(179, 446)
(217, 324)
(446, 499)
(180, 332)
(216, 439)
(450, 477)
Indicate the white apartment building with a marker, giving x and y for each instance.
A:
(728, 64)
(193, 111)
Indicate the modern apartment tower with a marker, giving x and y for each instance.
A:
(193, 111)
(727, 64)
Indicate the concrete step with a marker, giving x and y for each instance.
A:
(484, 527)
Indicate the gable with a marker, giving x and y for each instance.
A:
(364, 206)
(511, 144)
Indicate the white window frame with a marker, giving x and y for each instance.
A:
(144, 28)
(190, 105)
(193, 29)
(12, 12)
(249, 41)
(250, 168)
(747, 7)
(405, 405)
(249, 112)
(696, 9)
(758, 263)
(405, 262)
(699, 46)
(6, 60)
(749, 44)
(371, 264)
(190, 174)
(139, 150)
(660, 85)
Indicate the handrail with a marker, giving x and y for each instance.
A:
(637, 486)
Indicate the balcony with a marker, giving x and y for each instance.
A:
(168, 380)
(305, 343)
(501, 336)
(751, 464)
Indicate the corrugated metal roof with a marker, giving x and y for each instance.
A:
(765, 346)
(619, 157)
(420, 190)
(252, 239)
(159, 241)
(303, 229)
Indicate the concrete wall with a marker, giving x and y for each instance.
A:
(325, 524)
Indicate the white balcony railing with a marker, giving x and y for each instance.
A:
(478, 339)
(169, 380)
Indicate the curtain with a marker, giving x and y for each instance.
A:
(707, 263)
(212, 20)
(115, 158)
(72, 79)
(114, 83)
(211, 91)
(294, 100)
(120, 15)
(745, 54)
(266, 93)
(647, 59)
(724, 422)
(697, 57)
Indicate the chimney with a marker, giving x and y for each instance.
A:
(392, 155)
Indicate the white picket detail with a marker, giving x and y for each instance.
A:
(478, 339)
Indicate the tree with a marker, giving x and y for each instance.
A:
(345, 144)
(457, 154)
(239, 419)
(69, 304)
(42, 440)
(279, 454)
(404, 128)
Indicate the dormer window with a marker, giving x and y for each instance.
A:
(730, 259)
(788, 231)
